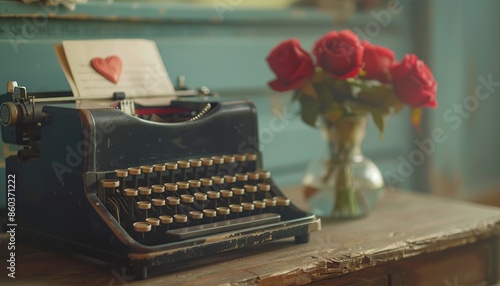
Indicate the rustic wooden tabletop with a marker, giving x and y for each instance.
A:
(403, 225)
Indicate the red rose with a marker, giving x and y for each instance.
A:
(339, 53)
(414, 83)
(291, 64)
(377, 62)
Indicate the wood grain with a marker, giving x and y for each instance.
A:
(403, 225)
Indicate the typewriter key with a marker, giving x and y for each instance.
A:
(209, 213)
(171, 188)
(201, 198)
(171, 167)
(236, 209)
(251, 189)
(144, 193)
(142, 226)
(154, 222)
(144, 206)
(282, 201)
(228, 195)
(260, 205)
(195, 164)
(184, 165)
(183, 187)
(158, 189)
(159, 168)
(241, 179)
(134, 172)
(129, 192)
(194, 185)
(251, 161)
(121, 174)
(206, 162)
(238, 193)
(109, 186)
(223, 211)
(146, 170)
(187, 199)
(249, 207)
(264, 176)
(264, 190)
(270, 203)
(166, 219)
(174, 202)
(196, 216)
(180, 218)
(158, 203)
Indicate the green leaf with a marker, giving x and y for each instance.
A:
(379, 117)
(309, 110)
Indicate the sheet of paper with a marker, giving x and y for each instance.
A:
(142, 74)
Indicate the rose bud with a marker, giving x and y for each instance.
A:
(414, 83)
(378, 61)
(291, 64)
(339, 53)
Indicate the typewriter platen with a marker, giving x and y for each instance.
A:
(139, 193)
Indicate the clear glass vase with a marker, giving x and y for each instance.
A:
(347, 184)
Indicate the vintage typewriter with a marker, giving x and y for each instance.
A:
(143, 187)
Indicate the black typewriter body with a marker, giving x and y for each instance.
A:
(141, 194)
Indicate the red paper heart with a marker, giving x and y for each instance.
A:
(110, 68)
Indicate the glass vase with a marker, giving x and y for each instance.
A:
(347, 184)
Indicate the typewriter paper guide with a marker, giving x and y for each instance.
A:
(142, 74)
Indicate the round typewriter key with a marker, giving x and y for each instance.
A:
(194, 183)
(195, 162)
(242, 177)
(209, 213)
(263, 174)
(110, 183)
(238, 191)
(270, 202)
(184, 164)
(236, 208)
(134, 171)
(153, 221)
(171, 166)
(282, 201)
(253, 175)
(173, 201)
(226, 193)
(166, 219)
(142, 226)
(121, 173)
(213, 195)
(196, 215)
(240, 157)
(223, 211)
(188, 199)
(171, 187)
(218, 160)
(159, 167)
(144, 191)
(229, 178)
(200, 196)
(158, 189)
(250, 188)
(218, 180)
(158, 202)
(183, 185)
(130, 192)
(147, 169)
(143, 205)
(264, 187)
(248, 206)
(228, 159)
(180, 218)
(251, 156)
(259, 204)
(207, 161)
(206, 182)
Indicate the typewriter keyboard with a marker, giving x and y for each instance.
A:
(191, 198)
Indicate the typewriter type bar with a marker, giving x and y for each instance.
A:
(144, 194)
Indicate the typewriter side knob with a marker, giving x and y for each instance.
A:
(10, 113)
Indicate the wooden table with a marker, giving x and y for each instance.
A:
(410, 239)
